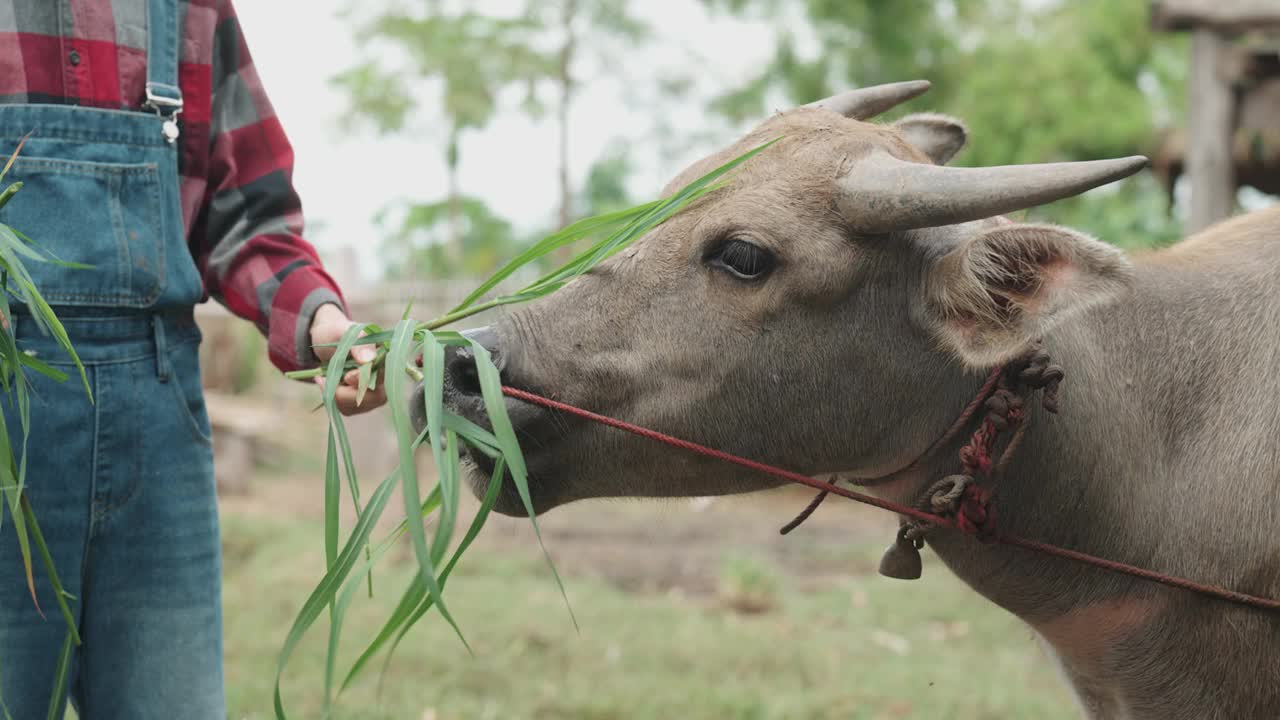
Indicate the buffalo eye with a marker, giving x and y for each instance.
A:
(742, 259)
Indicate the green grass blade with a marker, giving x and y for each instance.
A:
(334, 372)
(14, 156)
(578, 230)
(10, 478)
(614, 243)
(348, 593)
(43, 314)
(660, 212)
(451, 484)
(50, 257)
(338, 612)
(645, 218)
(496, 406)
(8, 344)
(479, 438)
(24, 418)
(412, 595)
(433, 397)
(49, 371)
(9, 237)
(7, 194)
(401, 346)
(424, 604)
(415, 595)
(13, 500)
(373, 337)
(59, 593)
(333, 380)
(332, 581)
(57, 702)
(365, 382)
(332, 491)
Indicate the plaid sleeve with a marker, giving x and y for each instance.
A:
(250, 231)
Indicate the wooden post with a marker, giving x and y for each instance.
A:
(1210, 119)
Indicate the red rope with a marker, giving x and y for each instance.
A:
(951, 432)
(1013, 540)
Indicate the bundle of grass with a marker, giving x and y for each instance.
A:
(350, 566)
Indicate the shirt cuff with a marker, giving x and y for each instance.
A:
(292, 309)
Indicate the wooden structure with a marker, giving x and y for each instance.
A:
(1233, 133)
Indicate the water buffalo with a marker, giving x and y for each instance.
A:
(833, 308)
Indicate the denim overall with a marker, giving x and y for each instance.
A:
(122, 487)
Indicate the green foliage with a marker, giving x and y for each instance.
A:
(1071, 90)
(606, 186)
(641, 655)
(1133, 214)
(749, 584)
(1034, 82)
(16, 284)
(424, 65)
(418, 246)
(250, 346)
(470, 57)
(861, 41)
(429, 65)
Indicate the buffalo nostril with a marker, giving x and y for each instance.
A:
(461, 376)
(466, 379)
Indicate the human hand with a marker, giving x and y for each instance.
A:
(327, 327)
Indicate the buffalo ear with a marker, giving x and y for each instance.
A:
(1000, 290)
(938, 136)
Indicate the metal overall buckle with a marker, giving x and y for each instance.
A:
(167, 108)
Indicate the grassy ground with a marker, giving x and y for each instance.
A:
(683, 615)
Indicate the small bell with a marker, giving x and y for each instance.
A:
(902, 559)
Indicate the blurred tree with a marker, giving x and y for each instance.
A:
(429, 64)
(606, 186)
(861, 42)
(580, 30)
(1035, 81)
(423, 232)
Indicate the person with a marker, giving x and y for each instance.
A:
(156, 159)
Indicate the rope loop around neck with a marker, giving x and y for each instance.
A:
(1050, 384)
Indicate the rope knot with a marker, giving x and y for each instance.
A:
(943, 497)
(975, 456)
(1040, 373)
(961, 498)
(1004, 409)
(958, 498)
(977, 516)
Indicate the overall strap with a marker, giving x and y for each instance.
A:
(164, 97)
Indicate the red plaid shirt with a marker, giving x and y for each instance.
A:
(242, 215)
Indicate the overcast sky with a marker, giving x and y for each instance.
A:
(345, 179)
